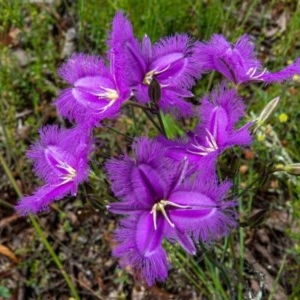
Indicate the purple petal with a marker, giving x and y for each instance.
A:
(176, 56)
(206, 219)
(137, 62)
(143, 179)
(148, 239)
(42, 198)
(82, 65)
(208, 52)
(146, 49)
(118, 171)
(151, 268)
(284, 74)
(126, 208)
(193, 199)
(242, 136)
(172, 101)
(186, 242)
(147, 183)
(179, 175)
(120, 35)
(141, 93)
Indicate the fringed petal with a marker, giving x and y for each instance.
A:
(82, 65)
(149, 268)
(42, 198)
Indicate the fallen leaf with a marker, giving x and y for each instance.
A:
(5, 251)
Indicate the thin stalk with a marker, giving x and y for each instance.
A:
(136, 104)
(261, 178)
(4, 203)
(161, 123)
(180, 259)
(40, 232)
(148, 111)
(54, 256)
(241, 254)
(274, 288)
(241, 263)
(134, 120)
(10, 176)
(10, 154)
(148, 114)
(213, 273)
(120, 133)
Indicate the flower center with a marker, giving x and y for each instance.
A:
(204, 150)
(71, 172)
(149, 76)
(109, 94)
(160, 207)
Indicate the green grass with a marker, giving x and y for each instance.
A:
(28, 89)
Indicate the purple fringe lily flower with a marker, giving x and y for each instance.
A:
(219, 114)
(162, 198)
(61, 161)
(238, 62)
(96, 93)
(171, 61)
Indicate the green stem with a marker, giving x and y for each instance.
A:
(147, 110)
(120, 133)
(161, 123)
(40, 232)
(274, 288)
(136, 104)
(261, 179)
(148, 114)
(134, 120)
(4, 203)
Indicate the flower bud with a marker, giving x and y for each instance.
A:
(154, 91)
(293, 169)
(267, 112)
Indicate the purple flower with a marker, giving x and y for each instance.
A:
(219, 114)
(96, 92)
(162, 198)
(61, 161)
(238, 62)
(171, 61)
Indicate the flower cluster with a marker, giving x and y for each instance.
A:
(166, 189)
